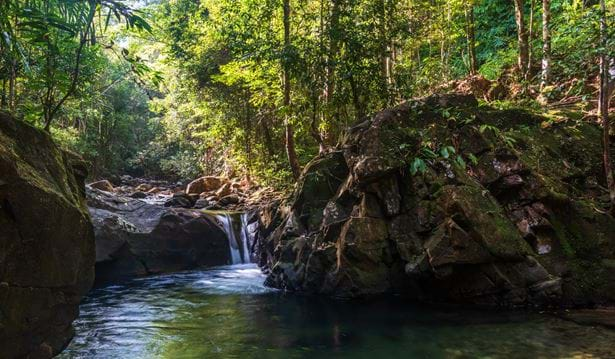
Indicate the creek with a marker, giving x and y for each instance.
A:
(227, 312)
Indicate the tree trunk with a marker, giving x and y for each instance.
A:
(333, 49)
(384, 50)
(76, 73)
(546, 44)
(289, 131)
(248, 144)
(329, 112)
(12, 86)
(267, 137)
(471, 37)
(4, 97)
(522, 37)
(603, 107)
(530, 41)
(356, 98)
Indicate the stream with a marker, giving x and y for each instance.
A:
(227, 312)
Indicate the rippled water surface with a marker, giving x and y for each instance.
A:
(228, 313)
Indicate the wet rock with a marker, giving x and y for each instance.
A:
(205, 184)
(103, 185)
(202, 203)
(143, 187)
(138, 195)
(155, 190)
(180, 200)
(134, 238)
(46, 242)
(228, 200)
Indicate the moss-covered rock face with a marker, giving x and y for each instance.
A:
(46, 241)
(502, 208)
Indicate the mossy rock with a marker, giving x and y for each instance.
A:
(46, 242)
(528, 196)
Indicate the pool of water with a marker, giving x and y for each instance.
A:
(228, 313)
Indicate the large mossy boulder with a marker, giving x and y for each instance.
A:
(46, 242)
(445, 200)
(135, 238)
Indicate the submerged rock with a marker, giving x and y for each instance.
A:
(46, 242)
(493, 217)
(135, 238)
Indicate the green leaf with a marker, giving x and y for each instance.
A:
(460, 162)
(444, 152)
(428, 153)
(418, 165)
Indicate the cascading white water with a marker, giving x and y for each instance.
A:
(247, 236)
(239, 238)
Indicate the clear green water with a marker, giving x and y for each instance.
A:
(227, 313)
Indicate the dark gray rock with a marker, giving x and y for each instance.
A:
(138, 195)
(180, 200)
(134, 238)
(506, 229)
(46, 242)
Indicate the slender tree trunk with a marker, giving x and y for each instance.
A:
(12, 91)
(248, 129)
(13, 86)
(522, 37)
(385, 57)
(4, 79)
(546, 44)
(288, 128)
(324, 136)
(4, 97)
(77, 69)
(471, 37)
(356, 98)
(333, 49)
(267, 137)
(447, 42)
(603, 107)
(530, 52)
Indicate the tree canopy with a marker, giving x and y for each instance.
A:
(176, 88)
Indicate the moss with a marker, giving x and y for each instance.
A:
(320, 182)
(486, 220)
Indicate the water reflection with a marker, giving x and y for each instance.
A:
(227, 313)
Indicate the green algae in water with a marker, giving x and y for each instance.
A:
(228, 313)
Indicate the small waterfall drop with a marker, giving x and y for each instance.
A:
(239, 234)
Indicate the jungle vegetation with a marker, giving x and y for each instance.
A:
(178, 88)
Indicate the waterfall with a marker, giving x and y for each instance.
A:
(239, 235)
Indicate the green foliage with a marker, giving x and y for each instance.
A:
(183, 87)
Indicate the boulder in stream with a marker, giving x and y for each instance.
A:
(485, 212)
(135, 238)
